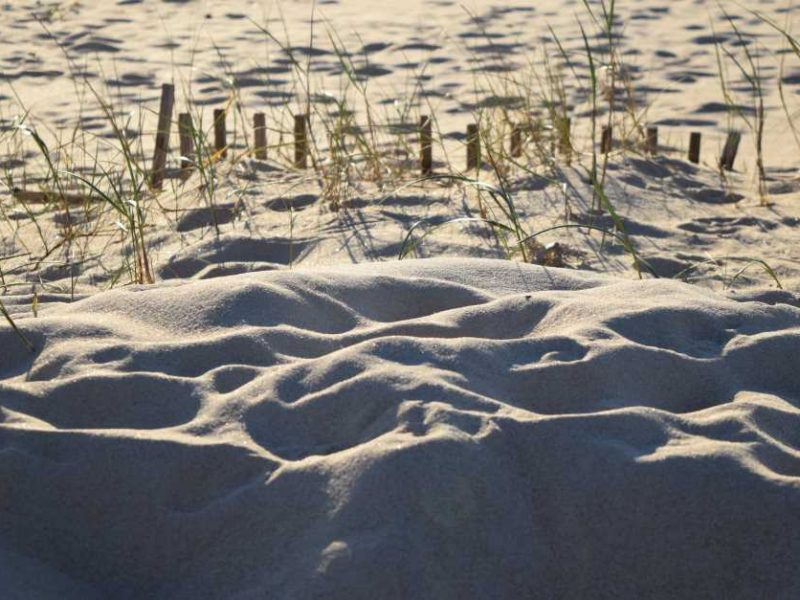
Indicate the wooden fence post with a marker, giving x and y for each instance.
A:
(729, 151)
(694, 147)
(186, 132)
(162, 135)
(651, 145)
(260, 130)
(220, 133)
(300, 141)
(473, 147)
(606, 139)
(426, 146)
(516, 141)
(565, 135)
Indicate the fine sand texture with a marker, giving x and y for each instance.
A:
(446, 57)
(567, 370)
(442, 428)
(86, 79)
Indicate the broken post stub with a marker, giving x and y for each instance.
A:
(651, 143)
(473, 147)
(694, 147)
(426, 146)
(606, 139)
(516, 141)
(301, 141)
(162, 135)
(730, 150)
(220, 133)
(186, 133)
(565, 135)
(260, 132)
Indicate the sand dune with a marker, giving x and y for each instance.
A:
(425, 429)
(291, 412)
(461, 64)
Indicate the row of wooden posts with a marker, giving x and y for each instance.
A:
(185, 129)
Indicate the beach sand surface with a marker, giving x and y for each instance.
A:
(290, 411)
(430, 429)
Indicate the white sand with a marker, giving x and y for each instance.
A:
(429, 429)
(270, 420)
(130, 47)
(684, 220)
(678, 216)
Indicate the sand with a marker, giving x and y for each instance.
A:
(440, 50)
(434, 429)
(292, 412)
(450, 60)
(682, 222)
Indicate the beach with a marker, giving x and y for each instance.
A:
(253, 345)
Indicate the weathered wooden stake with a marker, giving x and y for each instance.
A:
(162, 135)
(694, 147)
(516, 141)
(426, 146)
(260, 130)
(606, 139)
(651, 145)
(564, 135)
(730, 150)
(220, 133)
(300, 141)
(185, 130)
(473, 147)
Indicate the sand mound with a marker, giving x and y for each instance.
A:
(428, 429)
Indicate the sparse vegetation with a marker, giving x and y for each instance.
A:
(532, 122)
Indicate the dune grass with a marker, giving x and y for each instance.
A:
(748, 67)
(793, 45)
(354, 139)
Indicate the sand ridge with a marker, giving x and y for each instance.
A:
(425, 429)
(290, 411)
